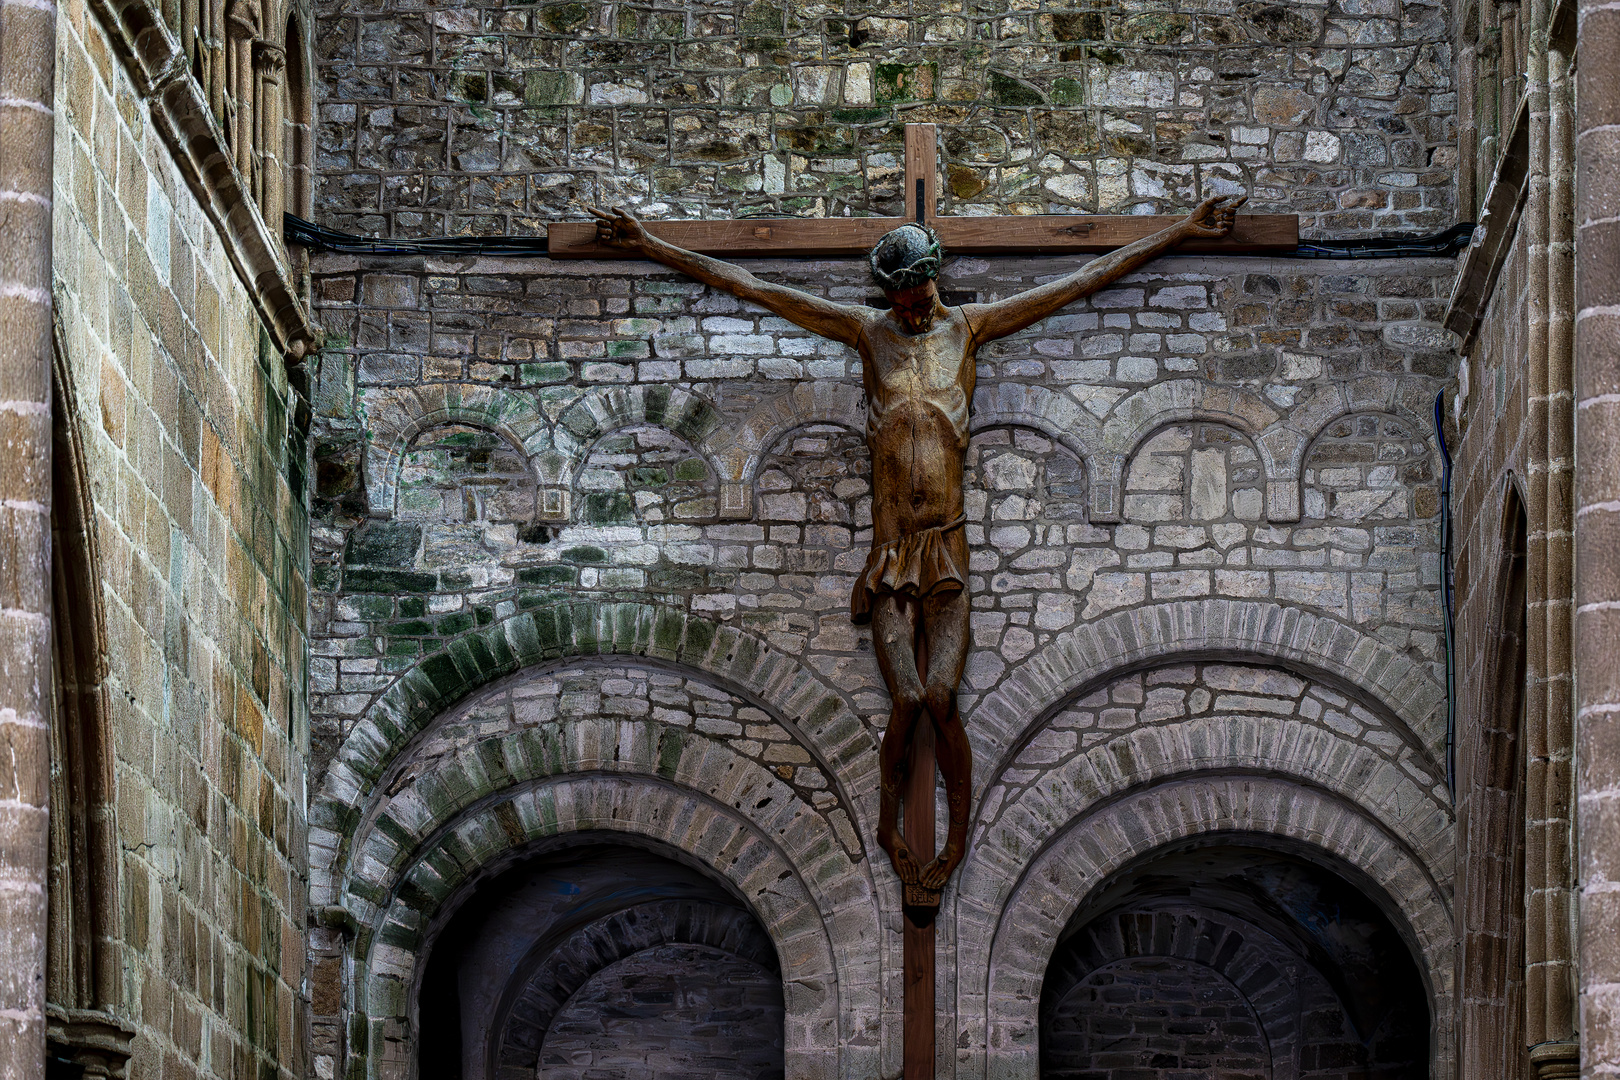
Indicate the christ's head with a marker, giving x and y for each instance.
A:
(906, 263)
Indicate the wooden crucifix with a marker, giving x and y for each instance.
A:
(917, 364)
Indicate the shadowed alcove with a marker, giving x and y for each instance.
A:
(605, 961)
(1236, 959)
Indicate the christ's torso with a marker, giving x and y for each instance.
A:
(918, 389)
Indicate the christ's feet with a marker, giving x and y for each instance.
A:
(905, 864)
(938, 871)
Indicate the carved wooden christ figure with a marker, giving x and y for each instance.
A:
(917, 363)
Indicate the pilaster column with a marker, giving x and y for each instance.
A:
(1597, 528)
(27, 87)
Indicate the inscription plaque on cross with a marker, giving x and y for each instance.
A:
(917, 365)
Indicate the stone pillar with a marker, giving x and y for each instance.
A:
(242, 24)
(1549, 831)
(1533, 740)
(271, 63)
(27, 85)
(1597, 528)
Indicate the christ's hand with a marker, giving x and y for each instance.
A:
(619, 229)
(1214, 218)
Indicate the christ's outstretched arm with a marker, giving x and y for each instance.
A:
(840, 322)
(1212, 219)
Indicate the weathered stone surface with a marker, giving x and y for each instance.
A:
(717, 515)
(490, 119)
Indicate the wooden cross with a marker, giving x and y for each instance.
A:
(764, 238)
(849, 237)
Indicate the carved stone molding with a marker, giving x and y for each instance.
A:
(1493, 238)
(180, 112)
(1556, 1060)
(270, 59)
(95, 1042)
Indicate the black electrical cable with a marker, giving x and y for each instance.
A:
(1443, 245)
(309, 234)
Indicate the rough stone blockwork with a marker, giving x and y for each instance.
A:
(524, 465)
(1228, 399)
(198, 491)
(491, 117)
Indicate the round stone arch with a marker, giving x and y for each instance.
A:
(739, 448)
(1117, 938)
(602, 411)
(571, 963)
(830, 980)
(429, 796)
(557, 633)
(1314, 645)
(1139, 415)
(1144, 445)
(1000, 1009)
(1055, 415)
(1006, 831)
(396, 418)
(1308, 447)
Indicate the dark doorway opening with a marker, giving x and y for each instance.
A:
(1238, 960)
(605, 961)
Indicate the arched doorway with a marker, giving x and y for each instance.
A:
(85, 1035)
(601, 959)
(1491, 818)
(1233, 957)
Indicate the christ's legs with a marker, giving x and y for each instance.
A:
(945, 627)
(894, 631)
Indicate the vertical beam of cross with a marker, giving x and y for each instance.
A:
(917, 948)
(922, 167)
(918, 942)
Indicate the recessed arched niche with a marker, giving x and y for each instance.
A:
(1233, 956)
(602, 957)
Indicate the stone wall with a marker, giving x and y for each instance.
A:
(497, 117)
(195, 473)
(1513, 306)
(677, 1011)
(522, 465)
(27, 93)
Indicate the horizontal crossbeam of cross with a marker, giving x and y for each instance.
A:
(1254, 234)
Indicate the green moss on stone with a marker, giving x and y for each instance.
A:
(1078, 26)
(532, 374)
(370, 579)
(608, 508)
(691, 469)
(441, 672)
(905, 82)
(455, 623)
(565, 17)
(1067, 91)
(542, 88)
(670, 749)
(1006, 90)
(547, 575)
(1154, 28)
(383, 543)
(469, 86)
(647, 477)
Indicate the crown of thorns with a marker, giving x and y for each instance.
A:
(906, 257)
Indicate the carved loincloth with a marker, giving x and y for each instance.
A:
(917, 565)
